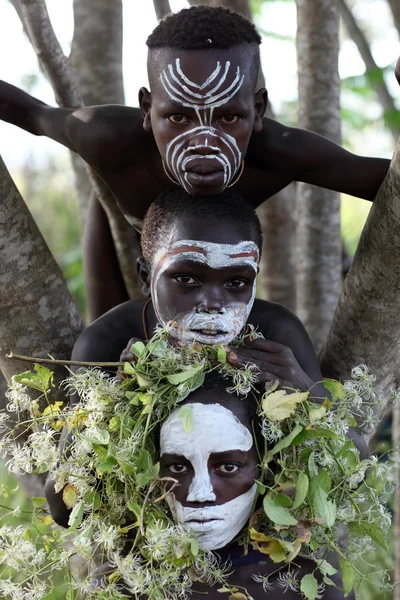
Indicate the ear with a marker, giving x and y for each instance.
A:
(261, 103)
(145, 107)
(143, 274)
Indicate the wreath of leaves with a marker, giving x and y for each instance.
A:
(109, 478)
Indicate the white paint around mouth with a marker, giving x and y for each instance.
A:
(215, 429)
(196, 96)
(231, 318)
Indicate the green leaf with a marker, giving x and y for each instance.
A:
(282, 500)
(183, 376)
(186, 414)
(107, 465)
(326, 568)
(280, 405)
(70, 495)
(320, 432)
(38, 501)
(375, 533)
(309, 586)
(115, 423)
(286, 440)
(138, 348)
(316, 414)
(194, 546)
(277, 514)
(348, 576)
(76, 516)
(312, 467)
(40, 379)
(322, 481)
(221, 354)
(129, 370)
(261, 488)
(302, 484)
(101, 436)
(101, 451)
(334, 387)
(324, 508)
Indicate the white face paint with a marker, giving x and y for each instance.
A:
(215, 429)
(206, 327)
(223, 153)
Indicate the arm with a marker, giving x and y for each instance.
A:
(29, 113)
(326, 164)
(101, 135)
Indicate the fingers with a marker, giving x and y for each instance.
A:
(127, 355)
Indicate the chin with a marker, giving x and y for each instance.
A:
(205, 191)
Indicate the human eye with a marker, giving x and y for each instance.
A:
(178, 468)
(228, 469)
(185, 279)
(178, 118)
(229, 118)
(237, 283)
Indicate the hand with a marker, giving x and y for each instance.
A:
(274, 361)
(127, 356)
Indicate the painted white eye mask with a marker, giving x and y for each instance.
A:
(220, 151)
(215, 429)
(207, 327)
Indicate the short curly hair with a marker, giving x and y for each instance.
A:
(176, 205)
(203, 27)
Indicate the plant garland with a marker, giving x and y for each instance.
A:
(109, 478)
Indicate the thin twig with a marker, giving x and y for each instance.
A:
(77, 363)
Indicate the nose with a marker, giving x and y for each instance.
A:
(212, 301)
(201, 144)
(201, 489)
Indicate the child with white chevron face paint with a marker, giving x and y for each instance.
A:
(202, 114)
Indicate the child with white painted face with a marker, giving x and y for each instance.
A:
(201, 125)
(215, 465)
(199, 267)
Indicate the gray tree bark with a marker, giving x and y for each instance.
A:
(162, 8)
(38, 316)
(318, 210)
(366, 324)
(57, 67)
(395, 8)
(377, 81)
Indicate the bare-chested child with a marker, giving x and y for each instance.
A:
(201, 126)
(199, 268)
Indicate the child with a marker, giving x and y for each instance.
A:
(201, 126)
(199, 267)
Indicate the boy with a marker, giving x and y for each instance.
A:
(202, 126)
(199, 267)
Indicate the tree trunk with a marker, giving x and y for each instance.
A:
(395, 8)
(38, 314)
(318, 210)
(366, 324)
(377, 81)
(162, 8)
(57, 67)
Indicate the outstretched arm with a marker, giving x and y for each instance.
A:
(328, 165)
(29, 113)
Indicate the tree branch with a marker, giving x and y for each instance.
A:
(162, 8)
(395, 8)
(57, 67)
(378, 82)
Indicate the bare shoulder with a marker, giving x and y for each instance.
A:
(104, 339)
(103, 133)
(274, 319)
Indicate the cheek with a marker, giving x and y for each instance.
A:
(170, 301)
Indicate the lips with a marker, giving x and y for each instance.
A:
(204, 169)
(202, 525)
(215, 178)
